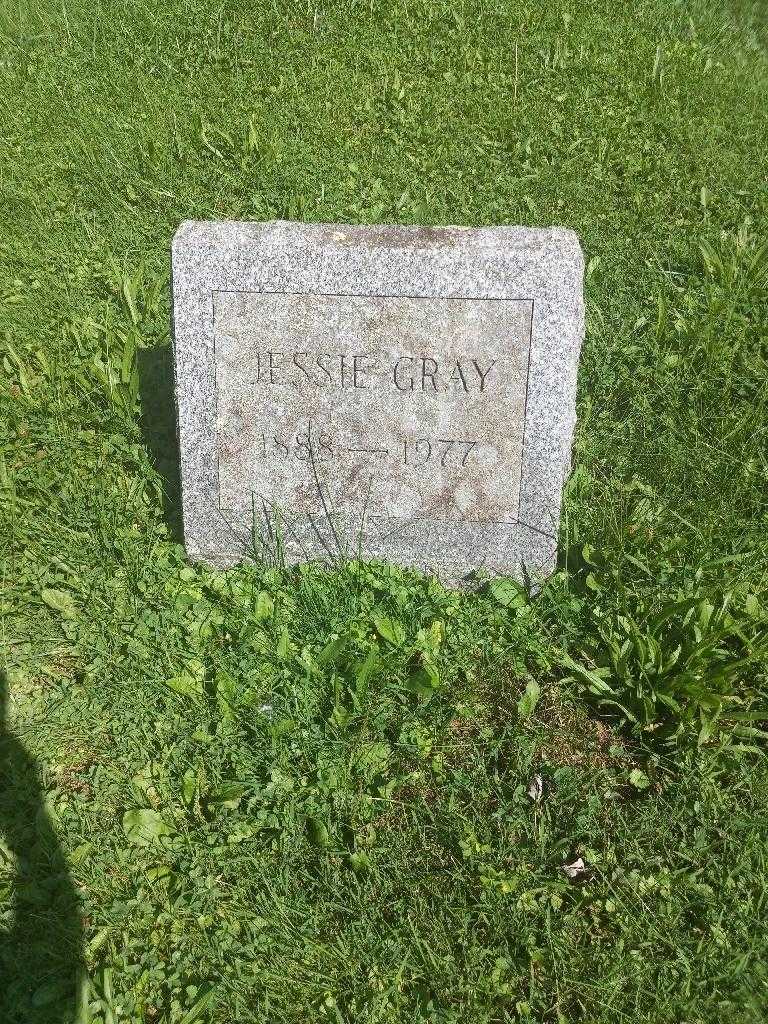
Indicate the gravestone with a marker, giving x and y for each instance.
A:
(399, 393)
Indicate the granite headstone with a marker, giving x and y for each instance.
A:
(399, 393)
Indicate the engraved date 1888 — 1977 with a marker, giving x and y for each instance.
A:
(415, 451)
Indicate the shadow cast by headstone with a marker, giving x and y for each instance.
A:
(41, 952)
(158, 427)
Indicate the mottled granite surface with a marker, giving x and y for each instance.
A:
(403, 393)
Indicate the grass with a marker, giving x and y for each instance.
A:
(349, 795)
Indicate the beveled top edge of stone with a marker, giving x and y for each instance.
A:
(283, 233)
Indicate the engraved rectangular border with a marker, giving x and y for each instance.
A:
(226, 510)
(543, 266)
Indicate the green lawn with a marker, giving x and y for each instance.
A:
(274, 795)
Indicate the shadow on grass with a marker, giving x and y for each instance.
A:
(158, 426)
(41, 945)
